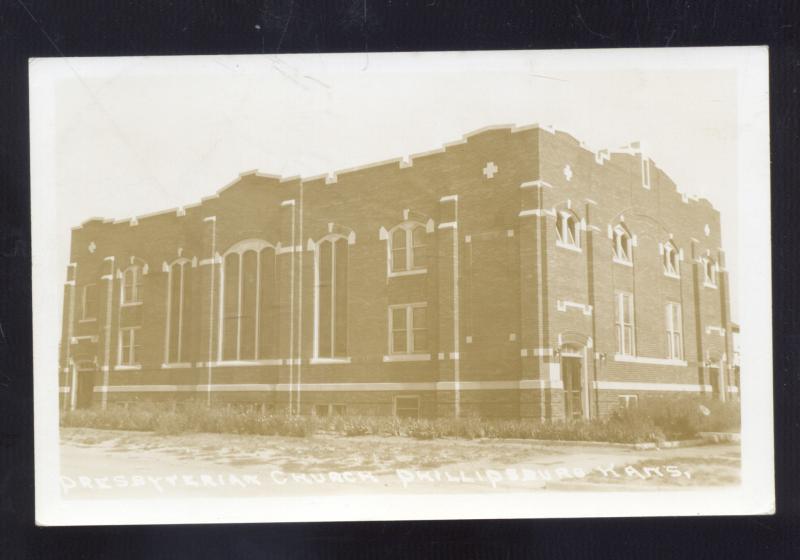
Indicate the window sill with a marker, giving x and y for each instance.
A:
(672, 275)
(245, 363)
(176, 365)
(128, 367)
(709, 285)
(412, 272)
(321, 361)
(407, 358)
(650, 361)
(569, 246)
(623, 262)
(92, 320)
(130, 304)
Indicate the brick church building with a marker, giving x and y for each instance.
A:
(514, 273)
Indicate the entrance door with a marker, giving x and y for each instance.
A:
(85, 388)
(573, 387)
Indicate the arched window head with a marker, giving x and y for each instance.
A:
(408, 248)
(622, 245)
(568, 230)
(248, 301)
(670, 260)
(132, 285)
(709, 272)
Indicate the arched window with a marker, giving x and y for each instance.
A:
(670, 260)
(330, 301)
(407, 248)
(568, 230)
(709, 272)
(132, 285)
(178, 283)
(622, 245)
(249, 303)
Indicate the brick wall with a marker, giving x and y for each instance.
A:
(502, 297)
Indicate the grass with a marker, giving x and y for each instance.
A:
(653, 420)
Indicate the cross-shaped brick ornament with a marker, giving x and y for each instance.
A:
(490, 170)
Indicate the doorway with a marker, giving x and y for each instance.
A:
(85, 388)
(572, 376)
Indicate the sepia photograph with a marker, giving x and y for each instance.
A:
(381, 286)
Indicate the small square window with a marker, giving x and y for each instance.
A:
(408, 329)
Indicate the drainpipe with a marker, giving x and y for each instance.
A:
(456, 318)
(107, 342)
(209, 363)
(300, 304)
(291, 305)
(70, 332)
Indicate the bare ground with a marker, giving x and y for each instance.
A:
(117, 464)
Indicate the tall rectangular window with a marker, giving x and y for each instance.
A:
(230, 307)
(331, 298)
(128, 346)
(624, 324)
(89, 303)
(408, 329)
(268, 313)
(399, 261)
(248, 309)
(178, 285)
(419, 253)
(674, 331)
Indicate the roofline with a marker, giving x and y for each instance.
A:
(332, 177)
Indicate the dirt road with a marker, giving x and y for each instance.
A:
(117, 464)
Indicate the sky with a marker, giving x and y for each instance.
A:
(139, 135)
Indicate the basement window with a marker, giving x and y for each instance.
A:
(406, 407)
(628, 401)
(324, 410)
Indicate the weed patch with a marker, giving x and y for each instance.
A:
(655, 419)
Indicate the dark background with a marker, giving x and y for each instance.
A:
(33, 28)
